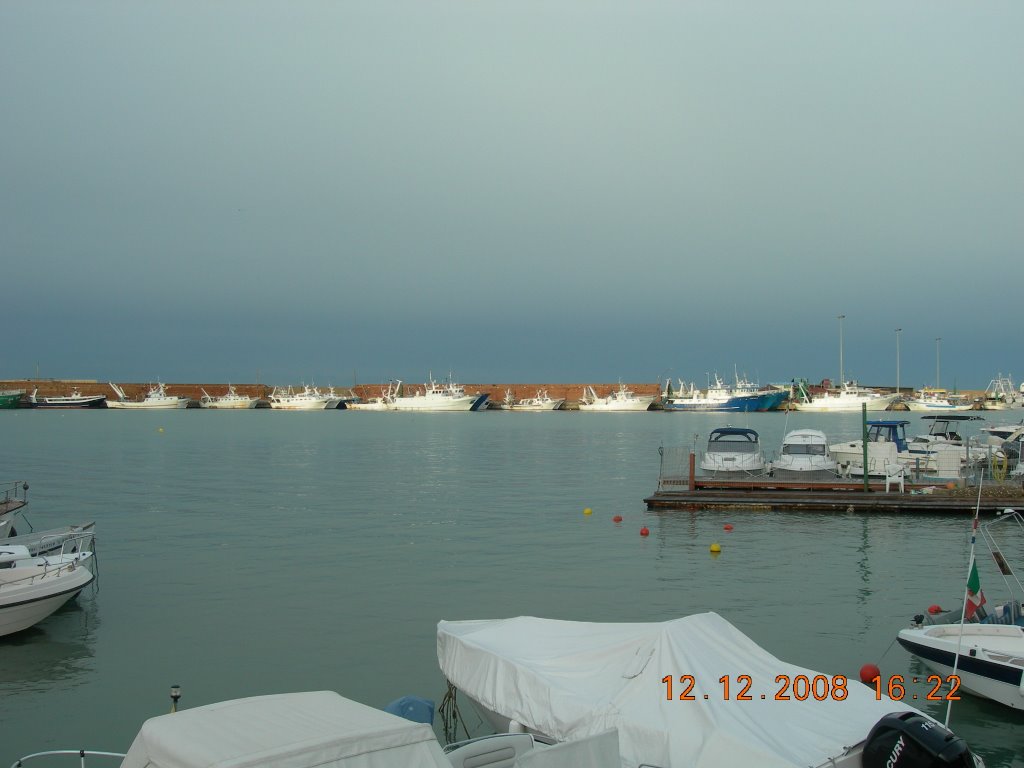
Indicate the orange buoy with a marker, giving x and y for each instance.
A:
(933, 609)
(869, 672)
(728, 526)
(617, 519)
(644, 531)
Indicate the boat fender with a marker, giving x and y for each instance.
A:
(912, 740)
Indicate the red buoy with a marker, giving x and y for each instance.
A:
(728, 526)
(617, 519)
(644, 531)
(869, 672)
(933, 609)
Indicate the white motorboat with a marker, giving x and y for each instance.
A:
(850, 397)
(322, 729)
(156, 398)
(33, 587)
(309, 399)
(690, 693)
(805, 455)
(980, 642)
(436, 396)
(621, 399)
(75, 400)
(733, 450)
(930, 399)
(988, 658)
(230, 400)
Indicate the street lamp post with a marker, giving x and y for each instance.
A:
(898, 332)
(842, 377)
(938, 347)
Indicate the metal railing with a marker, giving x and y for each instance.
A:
(80, 753)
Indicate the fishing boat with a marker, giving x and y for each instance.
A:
(982, 646)
(33, 587)
(381, 402)
(229, 400)
(75, 400)
(542, 401)
(1001, 394)
(743, 397)
(444, 395)
(805, 455)
(694, 692)
(11, 398)
(849, 398)
(731, 451)
(621, 399)
(308, 399)
(156, 399)
(931, 399)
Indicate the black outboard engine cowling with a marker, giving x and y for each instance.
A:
(910, 740)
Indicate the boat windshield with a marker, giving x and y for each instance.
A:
(803, 449)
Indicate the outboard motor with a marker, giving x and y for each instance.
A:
(910, 740)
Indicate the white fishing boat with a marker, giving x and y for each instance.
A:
(1001, 394)
(230, 400)
(694, 692)
(621, 399)
(982, 644)
(381, 402)
(733, 451)
(156, 398)
(849, 398)
(308, 399)
(805, 455)
(931, 399)
(75, 400)
(542, 401)
(33, 587)
(444, 395)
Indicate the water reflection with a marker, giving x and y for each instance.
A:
(59, 649)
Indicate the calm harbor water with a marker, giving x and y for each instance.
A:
(243, 553)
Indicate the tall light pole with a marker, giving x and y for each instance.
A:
(938, 346)
(898, 332)
(842, 378)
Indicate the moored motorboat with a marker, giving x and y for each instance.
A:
(805, 455)
(931, 399)
(542, 401)
(156, 399)
(673, 692)
(731, 451)
(75, 400)
(11, 398)
(33, 587)
(849, 398)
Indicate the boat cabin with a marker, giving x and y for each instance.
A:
(944, 426)
(889, 431)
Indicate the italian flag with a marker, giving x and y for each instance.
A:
(975, 597)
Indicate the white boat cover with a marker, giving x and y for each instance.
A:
(292, 730)
(569, 680)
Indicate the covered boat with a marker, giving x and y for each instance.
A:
(661, 685)
(732, 450)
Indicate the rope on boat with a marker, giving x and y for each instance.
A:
(448, 709)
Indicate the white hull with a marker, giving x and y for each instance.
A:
(553, 405)
(429, 403)
(240, 404)
(987, 654)
(918, 405)
(23, 605)
(639, 404)
(370, 405)
(741, 463)
(163, 405)
(826, 404)
(316, 404)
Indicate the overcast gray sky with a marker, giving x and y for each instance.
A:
(513, 191)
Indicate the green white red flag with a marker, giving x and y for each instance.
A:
(975, 597)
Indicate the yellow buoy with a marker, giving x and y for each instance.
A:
(159, 429)
(588, 511)
(716, 548)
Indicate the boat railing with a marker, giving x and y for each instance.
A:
(49, 570)
(81, 754)
(15, 492)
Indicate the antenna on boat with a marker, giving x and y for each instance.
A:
(971, 566)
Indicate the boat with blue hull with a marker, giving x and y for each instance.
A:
(741, 397)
